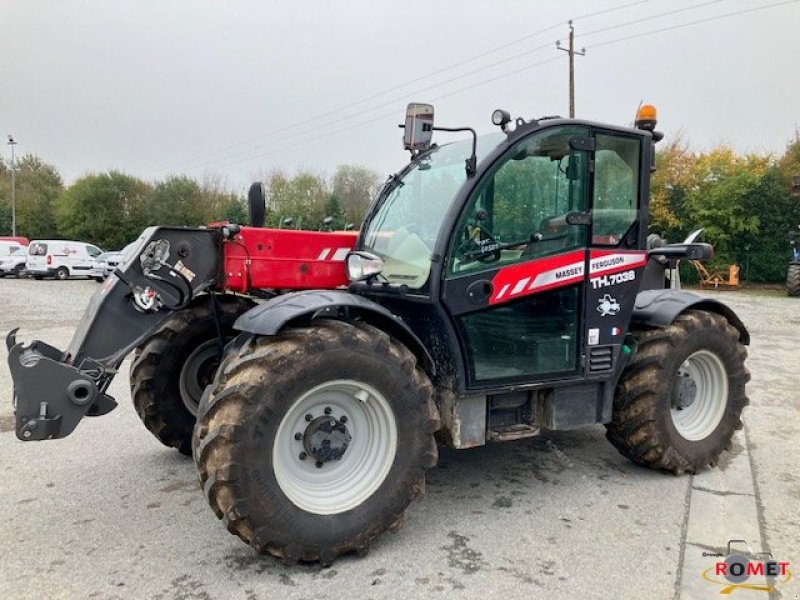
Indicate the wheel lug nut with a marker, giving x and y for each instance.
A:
(298, 436)
(328, 410)
(302, 456)
(343, 418)
(309, 417)
(318, 464)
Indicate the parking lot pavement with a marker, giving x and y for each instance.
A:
(109, 513)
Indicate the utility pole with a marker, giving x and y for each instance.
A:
(572, 52)
(12, 143)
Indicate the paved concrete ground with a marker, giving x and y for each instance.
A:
(109, 513)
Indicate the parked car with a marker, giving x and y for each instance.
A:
(105, 264)
(14, 263)
(60, 259)
(9, 246)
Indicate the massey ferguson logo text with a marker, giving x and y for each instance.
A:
(570, 272)
(609, 262)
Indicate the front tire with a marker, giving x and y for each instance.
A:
(680, 400)
(172, 367)
(793, 280)
(313, 442)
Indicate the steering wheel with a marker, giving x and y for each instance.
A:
(485, 251)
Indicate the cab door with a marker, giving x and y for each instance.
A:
(515, 281)
(617, 255)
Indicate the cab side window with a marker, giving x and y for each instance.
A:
(616, 188)
(518, 211)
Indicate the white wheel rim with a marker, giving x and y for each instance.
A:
(189, 381)
(699, 420)
(337, 485)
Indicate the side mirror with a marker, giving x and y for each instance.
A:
(695, 251)
(256, 204)
(287, 222)
(418, 129)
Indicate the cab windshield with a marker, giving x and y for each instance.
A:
(404, 228)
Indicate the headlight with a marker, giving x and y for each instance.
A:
(363, 265)
(500, 118)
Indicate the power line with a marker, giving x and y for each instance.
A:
(393, 102)
(402, 85)
(250, 152)
(386, 115)
(350, 105)
(516, 71)
(572, 52)
(650, 17)
(608, 10)
(697, 22)
(504, 75)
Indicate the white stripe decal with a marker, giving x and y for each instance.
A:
(565, 273)
(340, 253)
(323, 254)
(520, 285)
(503, 291)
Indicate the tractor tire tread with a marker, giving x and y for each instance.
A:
(634, 429)
(793, 280)
(232, 400)
(169, 427)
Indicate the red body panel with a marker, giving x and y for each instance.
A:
(286, 259)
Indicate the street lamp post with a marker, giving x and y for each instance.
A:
(12, 143)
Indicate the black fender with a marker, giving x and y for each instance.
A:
(659, 308)
(273, 315)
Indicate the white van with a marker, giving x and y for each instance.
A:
(60, 259)
(8, 248)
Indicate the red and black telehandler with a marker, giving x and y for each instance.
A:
(499, 286)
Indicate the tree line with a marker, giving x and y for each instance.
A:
(110, 209)
(745, 202)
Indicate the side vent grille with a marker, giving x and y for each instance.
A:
(601, 358)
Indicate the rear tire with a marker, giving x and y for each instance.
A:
(793, 280)
(62, 273)
(250, 447)
(163, 397)
(680, 400)
(19, 272)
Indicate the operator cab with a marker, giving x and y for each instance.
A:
(518, 248)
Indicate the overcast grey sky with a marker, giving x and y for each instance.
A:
(155, 87)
